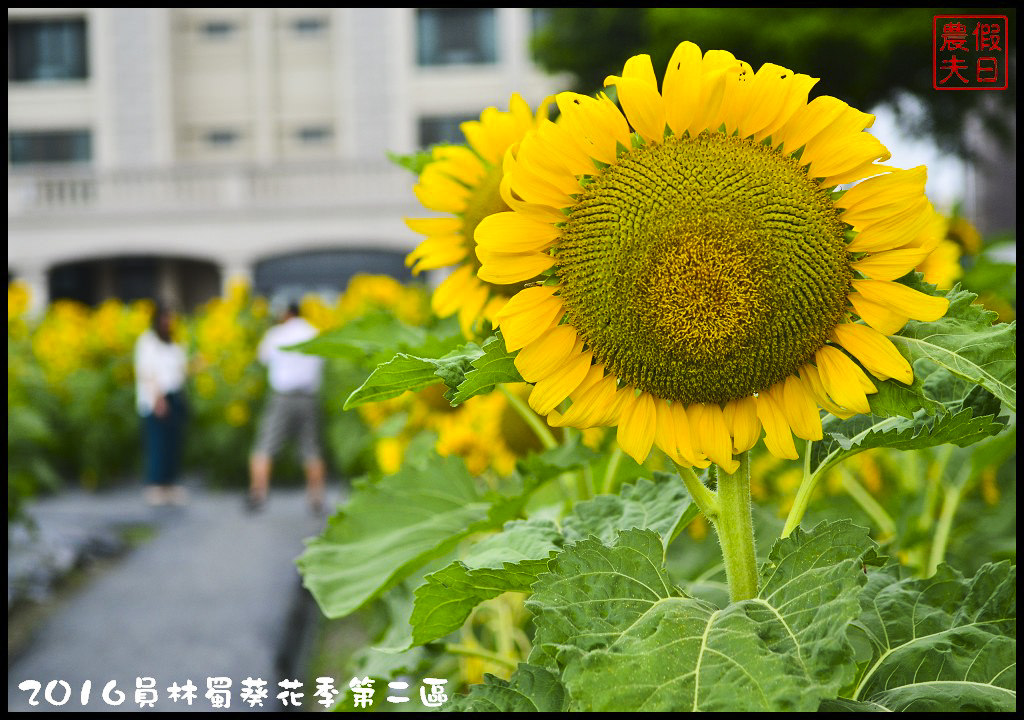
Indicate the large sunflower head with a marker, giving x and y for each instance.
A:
(704, 278)
(463, 183)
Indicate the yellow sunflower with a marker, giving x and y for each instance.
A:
(703, 279)
(462, 182)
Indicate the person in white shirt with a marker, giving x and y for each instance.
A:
(160, 368)
(292, 409)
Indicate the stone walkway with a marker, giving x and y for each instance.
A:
(214, 593)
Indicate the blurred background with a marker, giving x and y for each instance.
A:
(222, 160)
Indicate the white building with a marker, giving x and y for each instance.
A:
(157, 151)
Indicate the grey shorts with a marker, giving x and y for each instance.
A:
(291, 415)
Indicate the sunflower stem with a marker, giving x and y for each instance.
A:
(531, 418)
(706, 500)
(735, 528)
(803, 495)
(868, 504)
(609, 473)
(480, 653)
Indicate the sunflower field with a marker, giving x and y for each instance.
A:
(713, 411)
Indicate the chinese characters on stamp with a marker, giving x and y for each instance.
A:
(970, 52)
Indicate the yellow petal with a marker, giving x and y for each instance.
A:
(639, 97)
(665, 432)
(614, 409)
(460, 163)
(878, 197)
(546, 354)
(767, 97)
(505, 268)
(902, 299)
(471, 311)
(842, 379)
(535, 155)
(437, 252)
(597, 131)
(736, 97)
(808, 121)
(594, 376)
(874, 351)
(894, 231)
(534, 185)
(535, 211)
(681, 87)
(637, 424)
(833, 159)
(744, 427)
(796, 91)
(448, 296)
(435, 226)
(708, 423)
(719, 70)
(777, 436)
(812, 381)
(800, 409)
(882, 318)
(560, 143)
(890, 264)
(522, 328)
(512, 232)
(481, 140)
(867, 169)
(590, 407)
(437, 191)
(552, 390)
(684, 437)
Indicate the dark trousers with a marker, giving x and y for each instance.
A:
(164, 437)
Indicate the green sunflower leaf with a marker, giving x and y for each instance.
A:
(662, 505)
(547, 464)
(408, 372)
(625, 638)
(530, 689)
(413, 162)
(941, 644)
(510, 560)
(963, 422)
(494, 367)
(372, 333)
(393, 526)
(966, 343)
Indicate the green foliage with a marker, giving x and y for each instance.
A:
(864, 56)
(611, 611)
(513, 559)
(495, 366)
(391, 527)
(940, 644)
(530, 689)
(964, 367)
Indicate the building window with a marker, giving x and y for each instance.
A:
(455, 36)
(309, 26)
(40, 50)
(49, 146)
(222, 137)
(217, 29)
(443, 129)
(314, 135)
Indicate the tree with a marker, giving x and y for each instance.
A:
(866, 57)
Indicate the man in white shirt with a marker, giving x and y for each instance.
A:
(292, 409)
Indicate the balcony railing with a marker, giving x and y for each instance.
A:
(44, 191)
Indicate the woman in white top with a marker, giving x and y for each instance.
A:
(160, 367)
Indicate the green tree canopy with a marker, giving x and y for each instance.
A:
(866, 56)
